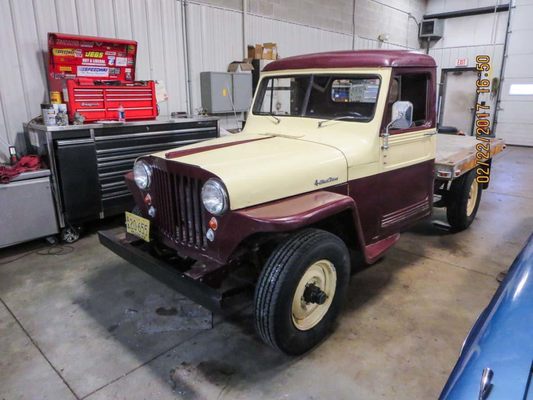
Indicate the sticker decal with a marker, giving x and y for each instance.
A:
(94, 54)
(93, 71)
(97, 61)
(121, 61)
(63, 52)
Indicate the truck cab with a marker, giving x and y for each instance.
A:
(336, 159)
(345, 101)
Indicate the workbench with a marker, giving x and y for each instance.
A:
(88, 162)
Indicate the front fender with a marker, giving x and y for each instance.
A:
(298, 211)
(284, 216)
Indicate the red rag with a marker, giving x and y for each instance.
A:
(26, 163)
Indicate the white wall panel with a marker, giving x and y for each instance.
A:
(105, 18)
(12, 93)
(440, 6)
(293, 39)
(87, 17)
(172, 47)
(515, 119)
(67, 16)
(215, 36)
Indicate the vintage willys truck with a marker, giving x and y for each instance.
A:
(339, 154)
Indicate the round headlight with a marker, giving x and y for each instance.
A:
(214, 197)
(142, 174)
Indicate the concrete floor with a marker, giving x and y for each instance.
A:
(84, 324)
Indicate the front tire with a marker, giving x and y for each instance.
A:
(301, 290)
(463, 201)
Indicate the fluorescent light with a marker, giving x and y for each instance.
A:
(521, 89)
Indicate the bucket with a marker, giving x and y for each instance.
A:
(49, 114)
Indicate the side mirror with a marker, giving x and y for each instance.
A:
(402, 118)
(402, 115)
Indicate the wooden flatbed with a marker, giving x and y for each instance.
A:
(456, 154)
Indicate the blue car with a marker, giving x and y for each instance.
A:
(496, 362)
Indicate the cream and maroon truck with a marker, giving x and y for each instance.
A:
(340, 153)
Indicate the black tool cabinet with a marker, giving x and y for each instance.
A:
(88, 162)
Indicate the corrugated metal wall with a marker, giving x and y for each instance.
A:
(215, 34)
(515, 118)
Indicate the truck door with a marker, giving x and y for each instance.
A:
(408, 154)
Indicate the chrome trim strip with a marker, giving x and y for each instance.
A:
(148, 134)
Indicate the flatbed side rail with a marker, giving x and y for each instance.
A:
(456, 155)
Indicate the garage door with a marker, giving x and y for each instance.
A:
(515, 116)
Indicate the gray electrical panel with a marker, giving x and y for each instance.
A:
(226, 92)
(242, 91)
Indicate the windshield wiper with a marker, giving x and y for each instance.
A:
(277, 120)
(321, 123)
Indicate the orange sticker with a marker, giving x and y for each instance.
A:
(63, 68)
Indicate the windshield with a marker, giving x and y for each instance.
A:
(319, 96)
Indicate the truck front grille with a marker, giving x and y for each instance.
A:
(179, 212)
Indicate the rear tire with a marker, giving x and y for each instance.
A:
(301, 290)
(463, 201)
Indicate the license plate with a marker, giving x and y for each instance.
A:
(138, 226)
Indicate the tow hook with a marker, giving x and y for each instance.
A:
(313, 294)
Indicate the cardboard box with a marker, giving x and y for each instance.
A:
(265, 51)
(255, 52)
(240, 66)
(270, 51)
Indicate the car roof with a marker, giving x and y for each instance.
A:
(354, 59)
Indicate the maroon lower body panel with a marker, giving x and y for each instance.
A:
(381, 205)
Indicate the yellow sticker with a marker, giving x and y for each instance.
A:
(94, 54)
(63, 68)
(63, 52)
(224, 92)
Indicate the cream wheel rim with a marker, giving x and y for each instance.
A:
(308, 304)
(472, 198)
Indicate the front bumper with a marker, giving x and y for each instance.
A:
(135, 252)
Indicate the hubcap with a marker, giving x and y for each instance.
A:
(314, 295)
(472, 198)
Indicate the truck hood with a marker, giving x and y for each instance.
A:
(261, 168)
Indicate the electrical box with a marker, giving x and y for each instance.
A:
(226, 92)
(431, 29)
(242, 91)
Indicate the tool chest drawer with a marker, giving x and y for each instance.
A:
(118, 148)
(102, 154)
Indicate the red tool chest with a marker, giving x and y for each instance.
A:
(100, 100)
(96, 75)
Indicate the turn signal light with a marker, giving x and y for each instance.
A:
(213, 223)
(148, 199)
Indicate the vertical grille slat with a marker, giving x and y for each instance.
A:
(196, 211)
(179, 213)
(189, 207)
(177, 221)
(183, 210)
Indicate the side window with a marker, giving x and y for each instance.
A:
(412, 87)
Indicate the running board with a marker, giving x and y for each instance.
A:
(375, 250)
